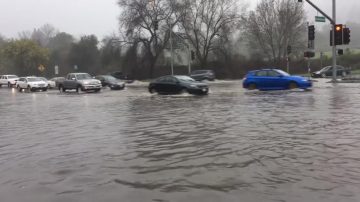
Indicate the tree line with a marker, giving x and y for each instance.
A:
(223, 35)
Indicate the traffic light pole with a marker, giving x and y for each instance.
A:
(334, 44)
(333, 22)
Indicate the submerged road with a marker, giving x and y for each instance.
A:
(232, 145)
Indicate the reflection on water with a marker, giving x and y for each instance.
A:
(231, 145)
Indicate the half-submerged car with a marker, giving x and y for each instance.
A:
(80, 82)
(177, 85)
(328, 72)
(274, 79)
(31, 84)
(110, 81)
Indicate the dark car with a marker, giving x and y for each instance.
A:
(177, 85)
(200, 75)
(110, 81)
(274, 79)
(122, 76)
(328, 72)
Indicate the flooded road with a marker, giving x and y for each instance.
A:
(231, 145)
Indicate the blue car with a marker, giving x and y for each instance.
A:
(274, 79)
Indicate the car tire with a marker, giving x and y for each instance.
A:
(252, 86)
(97, 90)
(293, 85)
(19, 89)
(44, 89)
(62, 89)
(78, 88)
(9, 85)
(28, 89)
(184, 90)
(152, 90)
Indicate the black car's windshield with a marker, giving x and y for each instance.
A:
(185, 78)
(83, 76)
(34, 79)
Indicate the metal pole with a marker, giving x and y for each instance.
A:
(321, 59)
(189, 54)
(334, 44)
(171, 49)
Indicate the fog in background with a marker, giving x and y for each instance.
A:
(100, 17)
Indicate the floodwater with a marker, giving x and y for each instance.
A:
(232, 145)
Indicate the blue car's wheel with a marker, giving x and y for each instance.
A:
(251, 86)
(293, 85)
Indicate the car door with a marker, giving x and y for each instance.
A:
(159, 84)
(275, 80)
(171, 85)
(260, 78)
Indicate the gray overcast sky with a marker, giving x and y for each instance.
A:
(79, 17)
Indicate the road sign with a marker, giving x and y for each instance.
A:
(41, 68)
(320, 19)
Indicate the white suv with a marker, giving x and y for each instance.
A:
(31, 84)
(9, 80)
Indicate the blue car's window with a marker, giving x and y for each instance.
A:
(261, 73)
(273, 73)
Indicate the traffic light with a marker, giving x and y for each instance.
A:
(156, 25)
(309, 54)
(346, 36)
(192, 55)
(338, 35)
(311, 33)
(340, 52)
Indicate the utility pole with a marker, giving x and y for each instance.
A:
(172, 54)
(334, 80)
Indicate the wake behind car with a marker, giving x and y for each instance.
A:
(31, 84)
(177, 85)
(110, 81)
(9, 80)
(274, 79)
(200, 75)
(80, 82)
(328, 72)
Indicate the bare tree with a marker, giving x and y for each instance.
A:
(43, 35)
(273, 26)
(147, 23)
(205, 22)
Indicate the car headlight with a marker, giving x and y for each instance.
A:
(86, 83)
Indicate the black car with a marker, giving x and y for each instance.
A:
(200, 75)
(328, 72)
(177, 85)
(122, 76)
(110, 81)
